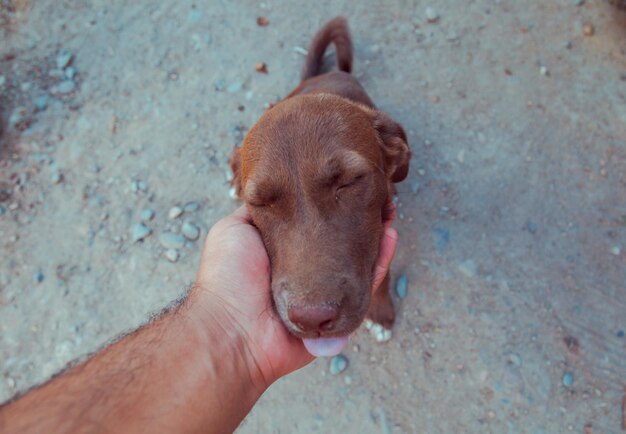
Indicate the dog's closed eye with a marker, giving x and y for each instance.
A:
(260, 195)
(350, 183)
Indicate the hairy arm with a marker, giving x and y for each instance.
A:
(198, 368)
(177, 374)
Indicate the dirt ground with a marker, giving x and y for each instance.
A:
(512, 221)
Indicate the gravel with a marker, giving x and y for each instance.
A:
(174, 212)
(39, 276)
(568, 379)
(63, 59)
(41, 103)
(431, 14)
(63, 88)
(191, 207)
(146, 215)
(588, 29)
(338, 364)
(402, 285)
(172, 255)
(219, 85)
(70, 72)
(515, 359)
(190, 231)
(442, 238)
(56, 177)
(468, 268)
(139, 231)
(170, 240)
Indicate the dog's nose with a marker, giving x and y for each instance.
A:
(314, 318)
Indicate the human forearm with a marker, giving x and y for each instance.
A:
(181, 373)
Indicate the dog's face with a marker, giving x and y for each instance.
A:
(315, 173)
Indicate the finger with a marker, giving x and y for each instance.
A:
(242, 215)
(387, 250)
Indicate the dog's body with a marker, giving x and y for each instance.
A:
(317, 173)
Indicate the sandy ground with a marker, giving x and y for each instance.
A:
(512, 221)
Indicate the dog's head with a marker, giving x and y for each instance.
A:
(315, 173)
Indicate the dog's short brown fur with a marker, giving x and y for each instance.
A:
(316, 173)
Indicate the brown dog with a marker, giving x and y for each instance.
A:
(316, 173)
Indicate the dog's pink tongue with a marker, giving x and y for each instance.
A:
(325, 347)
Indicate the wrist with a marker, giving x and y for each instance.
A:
(229, 357)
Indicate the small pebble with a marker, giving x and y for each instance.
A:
(146, 215)
(432, 15)
(219, 85)
(620, 333)
(70, 72)
(468, 268)
(262, 21)
(3, 80)
(338, 364)
(39, 276)
(191, 207)
(170, 240)
(63, 88)
(588, 29)
(616, 250)
(442, 238)
(139, 231)
(41, 103)
(402, 285)
(174, 212)
(544, 71)
(63, 59)
(56, 73)
(56, 177)
(532, 227)
(3, 210)
(190, 231)
(172, 255)
(568, 379)
(579, 2)
(515, 359)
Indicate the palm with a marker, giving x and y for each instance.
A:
(236, 263)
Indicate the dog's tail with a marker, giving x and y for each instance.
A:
(337, 32)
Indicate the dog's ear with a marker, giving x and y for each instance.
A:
(396, 151)
(235, 166)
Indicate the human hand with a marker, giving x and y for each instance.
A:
(234, 278)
